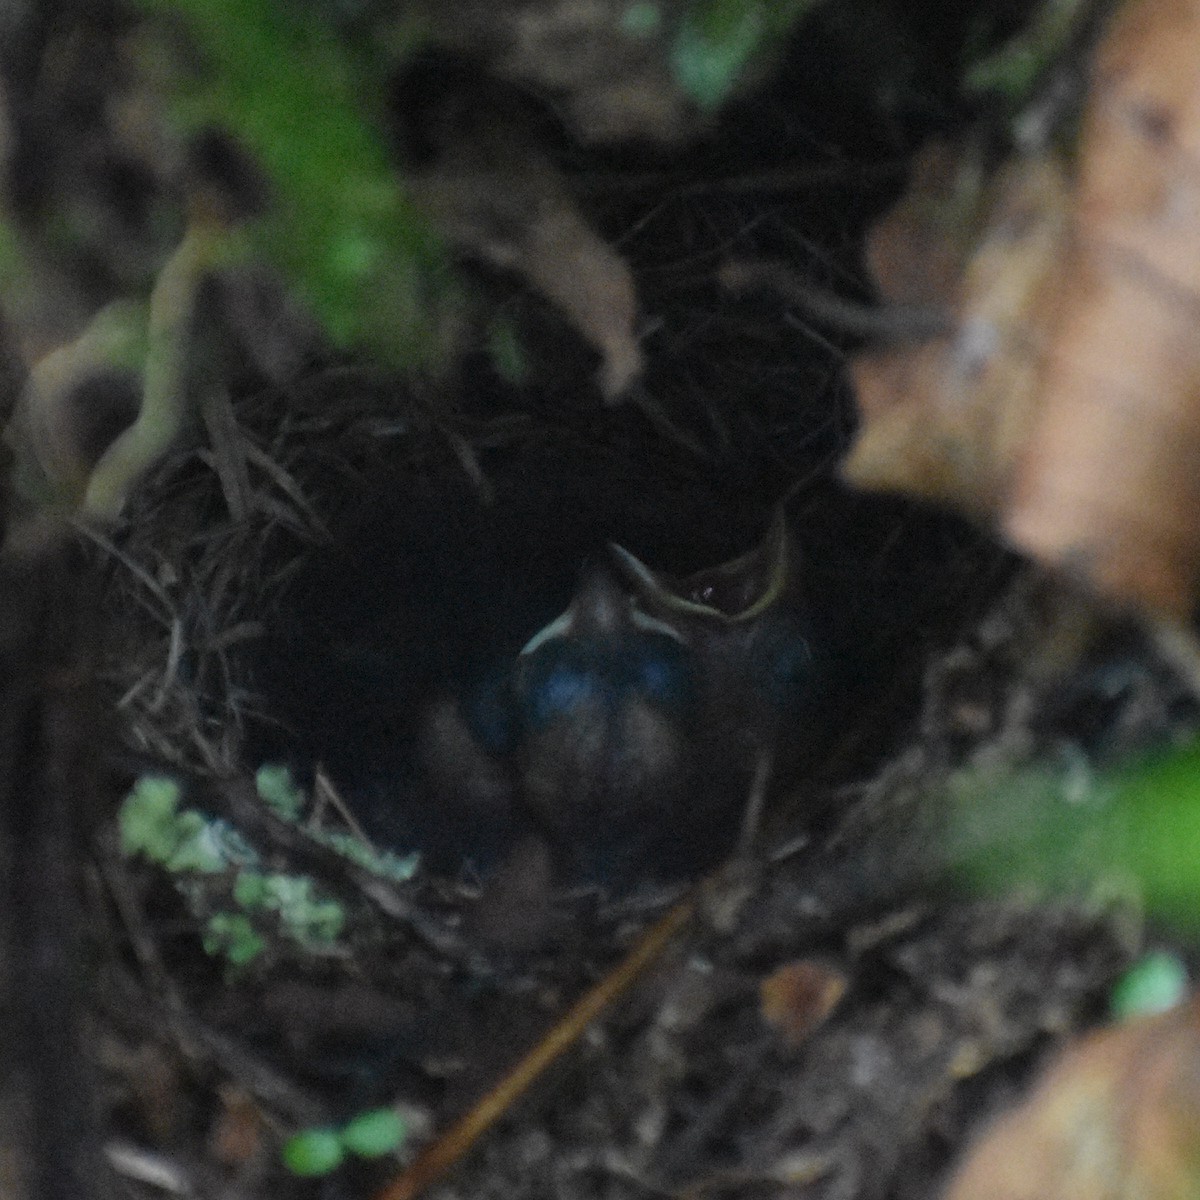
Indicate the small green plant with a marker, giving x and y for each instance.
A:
(232, 936)
(1157, 982)
(193, 848)
(1137, 829)
(152, 824)
(369, 1134)
(374, 1133)
(313, 1152)
(304, 916)
(307, 105)
(280, 792)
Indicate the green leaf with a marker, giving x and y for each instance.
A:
(376, 1132)
(313, 1152)
(1018, 67)
(232, 936)
(279, 791)
(308, 106)
(1156, 983)
(507, 353)
(641, 20)
(719, 38)
(1138, 827)
(708, 68)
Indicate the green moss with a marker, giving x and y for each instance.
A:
(304, 104)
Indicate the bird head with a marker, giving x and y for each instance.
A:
(744, 620)
(605, 698)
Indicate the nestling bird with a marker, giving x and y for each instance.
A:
(759, 672)
(474, 674)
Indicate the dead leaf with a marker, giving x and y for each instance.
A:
(1108, 483)
(1065, 406)
(238, 1133)
(798, 998)
(495, 195)
(1116, 1117)
(946, 419)
(916, 250)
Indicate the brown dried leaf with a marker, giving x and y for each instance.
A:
(1116, 1117)
(946, 419)
(1065, 406)
(238, 1134)
(917, 249)
(1109, 483)
(798, 998)
(495, 195)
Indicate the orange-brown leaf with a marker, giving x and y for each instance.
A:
(1110, 482)
(798, 998)
(946, 419)
(1065, 404)
(1116, 1117)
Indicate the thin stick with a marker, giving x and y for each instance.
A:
(328, 793)
(437, 1158)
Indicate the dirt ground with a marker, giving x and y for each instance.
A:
(829, 1016)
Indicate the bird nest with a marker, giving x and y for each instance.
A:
(724, 1071)
(206, 546)
(807, 1017)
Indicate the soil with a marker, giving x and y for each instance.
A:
(831, 1015)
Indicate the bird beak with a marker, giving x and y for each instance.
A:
(734, 592)
(600, 608)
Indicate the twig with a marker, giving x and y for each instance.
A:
(437, 1158)
(893, 322)
(164, 394)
